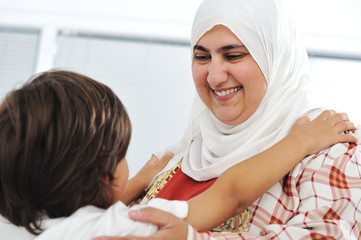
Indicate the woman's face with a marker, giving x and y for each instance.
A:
(227, 78)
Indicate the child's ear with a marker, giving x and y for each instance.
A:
(105, 179)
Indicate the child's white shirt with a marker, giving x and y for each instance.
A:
(89, 221)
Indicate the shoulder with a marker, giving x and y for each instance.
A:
(90, 221)
(176, 207)
(343, 158)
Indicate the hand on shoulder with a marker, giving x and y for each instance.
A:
(324, 131)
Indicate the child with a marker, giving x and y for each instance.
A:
(63, 141)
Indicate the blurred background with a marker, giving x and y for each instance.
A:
(140, 48)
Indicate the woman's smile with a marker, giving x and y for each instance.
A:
(226, 92)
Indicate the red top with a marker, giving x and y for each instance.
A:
(182, 187)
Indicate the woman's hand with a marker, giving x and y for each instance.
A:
(327, 129)
(135, 186)
(170, 227)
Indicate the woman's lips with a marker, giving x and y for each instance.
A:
(227, 92)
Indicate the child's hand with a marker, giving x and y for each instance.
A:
(152, 167)
(324, 131)
(135, 186)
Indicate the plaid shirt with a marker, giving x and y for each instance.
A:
(319, 199)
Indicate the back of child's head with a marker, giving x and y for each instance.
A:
(60, 135)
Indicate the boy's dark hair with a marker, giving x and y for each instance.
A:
(60, 135)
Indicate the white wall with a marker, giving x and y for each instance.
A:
(152, 80)
(333, 20)
(158, 90)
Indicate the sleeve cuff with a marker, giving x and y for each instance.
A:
(193, 234)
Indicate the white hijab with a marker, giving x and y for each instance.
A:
(208, 146)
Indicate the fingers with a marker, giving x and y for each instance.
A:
(338, 117)
(326, 114)
(153, 159)
(166, 158)
(302, 120)
(340, 120)
(347, 138)
(151, 215)
(333, 116)
(169, 226)
(342, 124)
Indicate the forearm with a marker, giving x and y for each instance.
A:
(251, 178)
(133, 190)
(243, 183)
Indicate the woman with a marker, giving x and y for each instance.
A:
(251, 73)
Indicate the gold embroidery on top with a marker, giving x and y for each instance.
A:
(235, 224)
(160, 183)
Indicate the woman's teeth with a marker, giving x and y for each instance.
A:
(226, 92)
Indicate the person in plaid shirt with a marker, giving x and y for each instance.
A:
(235, 116)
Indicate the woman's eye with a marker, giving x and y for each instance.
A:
(235, 56)
(201, 58)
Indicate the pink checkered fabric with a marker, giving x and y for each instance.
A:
(319, 199)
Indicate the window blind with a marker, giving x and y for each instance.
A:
(18, 52)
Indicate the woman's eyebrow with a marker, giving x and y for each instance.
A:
(200, 48)
(230, 47)
(220, 50)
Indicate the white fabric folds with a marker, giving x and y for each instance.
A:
(208, 146)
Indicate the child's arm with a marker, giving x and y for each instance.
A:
(243, 183)
(135, 186)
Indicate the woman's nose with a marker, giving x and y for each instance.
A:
(217, 73)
